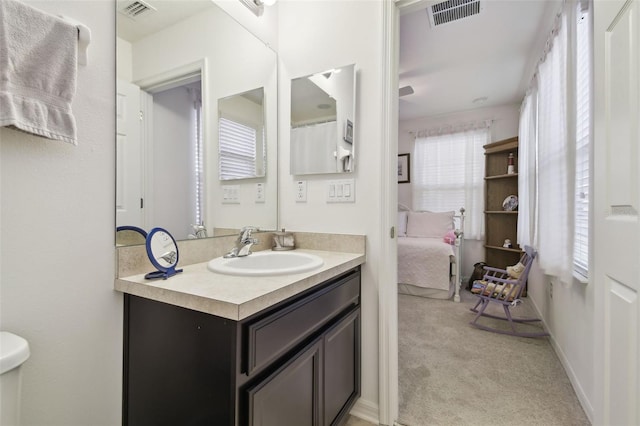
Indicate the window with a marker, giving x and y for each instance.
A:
(199, 171)
(237, 150)
(449, 174)
(583, 137)
(557, 217)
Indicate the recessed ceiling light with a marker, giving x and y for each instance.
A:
(480, 100)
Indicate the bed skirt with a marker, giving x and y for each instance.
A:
(432, 293)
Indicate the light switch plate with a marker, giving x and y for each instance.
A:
(301, 191)
(341, 191)
(230, 194)
(260, 192)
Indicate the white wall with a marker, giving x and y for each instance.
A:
(315, 36)
(124, 69)
(264, 27)
(57, 246)
(568, 313)
(505, 125)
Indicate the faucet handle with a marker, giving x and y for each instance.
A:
(245, 232)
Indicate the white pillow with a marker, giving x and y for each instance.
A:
(402, 224)
(429, 224)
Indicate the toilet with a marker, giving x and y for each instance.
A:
(14, 350)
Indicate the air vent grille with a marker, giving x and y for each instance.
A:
(133, 9)
(452, 10)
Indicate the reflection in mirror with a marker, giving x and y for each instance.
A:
(130, 236)
(241, 142)
(323, 122)
(173, 64)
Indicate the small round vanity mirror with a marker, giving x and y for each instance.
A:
(163, 253)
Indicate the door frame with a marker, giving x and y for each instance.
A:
(387, 271)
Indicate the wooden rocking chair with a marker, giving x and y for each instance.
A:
(498, 286)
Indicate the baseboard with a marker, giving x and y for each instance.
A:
(573, 378)
(366, 410)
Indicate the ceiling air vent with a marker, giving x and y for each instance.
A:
(133, 9)
(452, 10)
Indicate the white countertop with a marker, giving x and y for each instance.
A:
(235, 297)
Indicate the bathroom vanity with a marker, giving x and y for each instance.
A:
(287, 355)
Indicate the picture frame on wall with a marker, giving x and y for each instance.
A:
(404, 168)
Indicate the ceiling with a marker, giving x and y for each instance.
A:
(166, 13)
(489, 55)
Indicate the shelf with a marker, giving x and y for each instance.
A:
(501, 146)
(511, 250)
(511, 175)
(500, 224)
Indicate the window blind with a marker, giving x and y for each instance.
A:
(199, 171)
(237, 150)
(583, 138)
(449, 174)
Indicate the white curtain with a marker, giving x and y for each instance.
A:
(313, 147)
(527, 170)
(448, 173)
(556, 161)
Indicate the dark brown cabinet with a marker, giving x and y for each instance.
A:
(342, 371)
(292, 395)
(296, 363)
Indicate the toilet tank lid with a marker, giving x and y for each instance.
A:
(14, 350)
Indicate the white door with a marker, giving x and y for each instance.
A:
(616, 206)
(128, 156)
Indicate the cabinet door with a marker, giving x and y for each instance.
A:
(290, 396)
(342, 368)
(178, 366)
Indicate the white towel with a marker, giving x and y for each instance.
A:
(38, 60)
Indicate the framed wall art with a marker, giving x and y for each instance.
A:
(404, 168)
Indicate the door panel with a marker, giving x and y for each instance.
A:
(128, 156)
(342, 375)
(617, 231)
(622, 305)
(290, 396)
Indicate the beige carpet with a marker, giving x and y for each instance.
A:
(454, 374)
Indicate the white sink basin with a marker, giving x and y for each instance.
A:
(264, 263)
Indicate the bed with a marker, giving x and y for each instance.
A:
(429, 253)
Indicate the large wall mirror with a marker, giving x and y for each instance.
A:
(187, 74)
(323, 122)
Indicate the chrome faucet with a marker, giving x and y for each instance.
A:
(244, 243)
(199, 231)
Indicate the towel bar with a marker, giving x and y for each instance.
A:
(84, 38)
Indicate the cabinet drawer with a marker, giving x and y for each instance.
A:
(272, 336)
